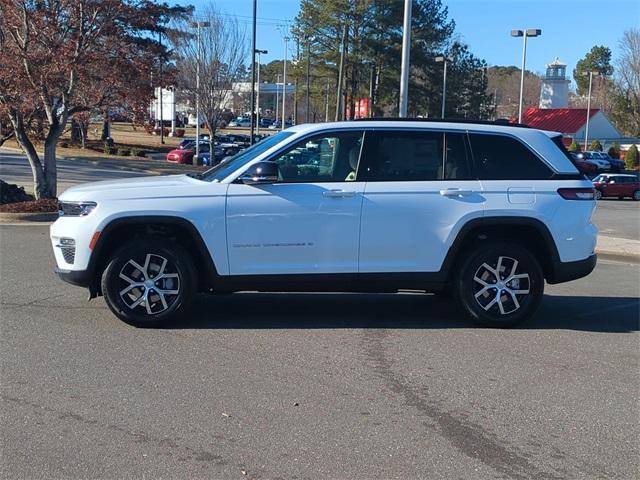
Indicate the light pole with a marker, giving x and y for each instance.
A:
(258, 92)
(198, 26)
(530, 32)
(445, 60)
(284, 82)
(586, 131)
(277, 95)
(404, 69)
(253, 72)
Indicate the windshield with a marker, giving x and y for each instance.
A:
(224, 169)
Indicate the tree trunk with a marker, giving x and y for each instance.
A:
(40, 186)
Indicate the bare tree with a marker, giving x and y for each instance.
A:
(221, 53)
(626, 95)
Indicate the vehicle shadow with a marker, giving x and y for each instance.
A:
(406, 311)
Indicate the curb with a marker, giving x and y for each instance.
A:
(40, 217)
(626, 257)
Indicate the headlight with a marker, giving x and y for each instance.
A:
(75, 209)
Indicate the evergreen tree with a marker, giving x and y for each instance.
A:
(614, 150)
(631, 158)
(597, 60)
(595, 146)
(574, 147)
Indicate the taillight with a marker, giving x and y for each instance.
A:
(577, 193)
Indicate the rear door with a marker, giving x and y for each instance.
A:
(419, 190)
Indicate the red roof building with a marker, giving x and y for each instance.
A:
(571, 122)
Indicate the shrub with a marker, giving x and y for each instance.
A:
(574, 147)
(109, 150)
(179, 132)
(10, 193)
(124, 152)
(631, 157)
(614, 151)
(156, 131)
(63, 144)
(138, 153)
(595, 146)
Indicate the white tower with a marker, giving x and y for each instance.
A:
(555, 86)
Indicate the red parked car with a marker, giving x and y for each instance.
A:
(181, 155)
(582, 165)
(617, 185)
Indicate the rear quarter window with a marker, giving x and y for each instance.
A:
(498, 157)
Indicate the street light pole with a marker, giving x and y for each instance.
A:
(258, 93)
(586, 132)
(277, 95)
(198, 25)
(530, 32)
(406, 49)
(253, 72)
(445, 60)
(161, 95)
(284, 83)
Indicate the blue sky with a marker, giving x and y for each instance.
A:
(569, 27)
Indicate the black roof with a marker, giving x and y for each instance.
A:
(501, 121)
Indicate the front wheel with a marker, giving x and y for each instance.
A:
(148, 282)
(597, 195)
(499, 284)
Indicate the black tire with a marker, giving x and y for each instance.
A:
(636, 195)
(178, 282)
(597, 195)
(481, 301)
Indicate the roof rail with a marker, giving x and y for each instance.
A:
(499, 121)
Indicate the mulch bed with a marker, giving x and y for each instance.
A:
(34, 206)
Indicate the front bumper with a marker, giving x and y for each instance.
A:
(567, 271)
(79, 278)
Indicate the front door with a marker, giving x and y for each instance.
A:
(308, 221)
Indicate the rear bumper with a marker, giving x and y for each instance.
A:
(567, 271)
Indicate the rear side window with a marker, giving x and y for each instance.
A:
(405, 156)
(498, 157)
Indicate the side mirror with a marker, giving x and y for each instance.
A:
(259, 173)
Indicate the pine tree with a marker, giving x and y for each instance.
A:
(595, 146)
(631, 158)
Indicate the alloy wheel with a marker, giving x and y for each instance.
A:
(499, 287)
(153, 286)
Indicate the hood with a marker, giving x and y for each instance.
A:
(143, 187)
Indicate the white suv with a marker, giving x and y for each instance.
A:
(484, 211)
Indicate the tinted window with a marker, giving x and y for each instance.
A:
(323, 158)
(499, 157)
(413, 156)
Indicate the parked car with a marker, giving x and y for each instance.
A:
(278, 124)
(601, 164)
(265, 122)
(185, 155)
(187, 140)
(617, 165)
(240, 140)
(583, 166)
(485, 211)
(240, 122)
(617, 185)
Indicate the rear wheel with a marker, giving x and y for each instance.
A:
(636, 195)
(499, 284)
(148, 282)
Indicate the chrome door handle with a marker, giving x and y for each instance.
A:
(338, 194)
(455, 192)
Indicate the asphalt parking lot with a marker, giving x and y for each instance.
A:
(315, 386)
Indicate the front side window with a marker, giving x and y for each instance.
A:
(404, 156)
(498, 157)
(323, 158)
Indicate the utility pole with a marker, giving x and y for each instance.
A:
(444, 59)
(308, 83)
(253, 71)
(406, 49)
(341, 73)
(326, 103)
